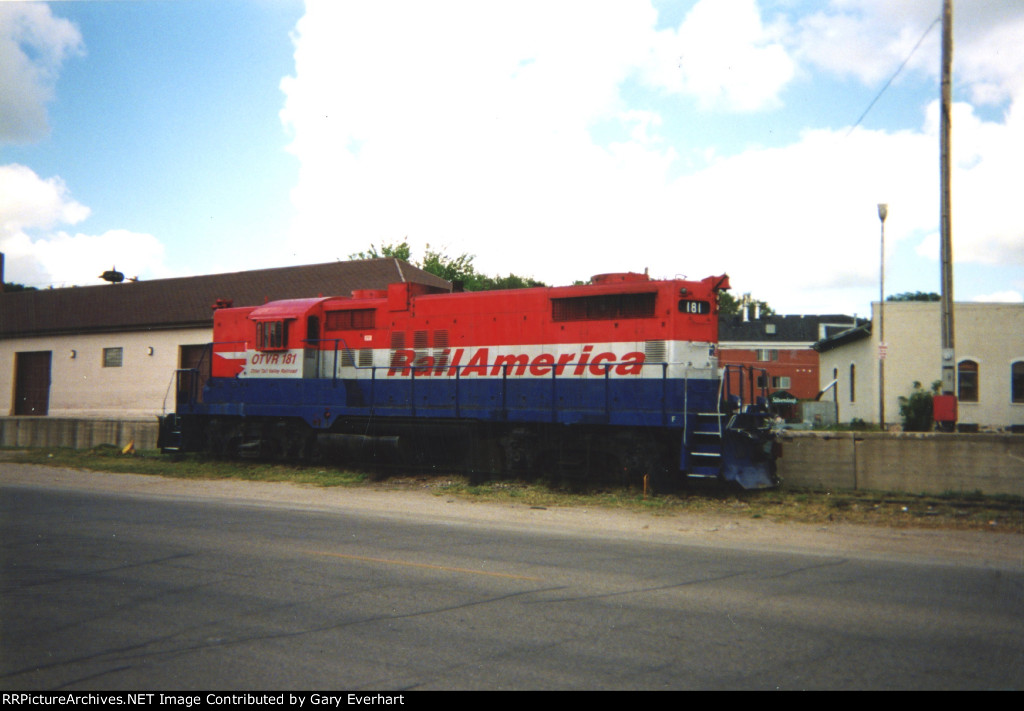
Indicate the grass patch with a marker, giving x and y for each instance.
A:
(110, 459)
(949, 510)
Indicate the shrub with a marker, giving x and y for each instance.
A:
(916, 409)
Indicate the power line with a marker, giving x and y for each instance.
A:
(878, 96)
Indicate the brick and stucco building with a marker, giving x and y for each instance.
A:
(781, 345)
(989, 356)
(110, 351)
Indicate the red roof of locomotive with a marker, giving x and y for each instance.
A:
(516, 316)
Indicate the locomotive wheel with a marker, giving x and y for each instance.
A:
(487, 460)
(413, 453)
(290, 442)
(520, 448)
(305, 447)
(312, 453)
(223, 439)
(275, 444)
(641, 455)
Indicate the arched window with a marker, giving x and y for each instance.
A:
(853, 383)
(1017, 382)
(967, 381)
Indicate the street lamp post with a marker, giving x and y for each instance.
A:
(883, 212)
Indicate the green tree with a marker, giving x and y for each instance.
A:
(395, 251)
(913, 296)
(729, 305)
(512, 281)
(454, 269)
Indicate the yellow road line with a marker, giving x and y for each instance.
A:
(425, 565)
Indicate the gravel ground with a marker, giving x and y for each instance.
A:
(976, 548)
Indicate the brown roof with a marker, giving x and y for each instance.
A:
(186, 301)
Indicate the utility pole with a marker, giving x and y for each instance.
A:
(883, 212)
(945, 219)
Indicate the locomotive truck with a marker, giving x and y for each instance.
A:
(618, 377)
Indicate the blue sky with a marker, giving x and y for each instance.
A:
(554, 140)
(165, 122)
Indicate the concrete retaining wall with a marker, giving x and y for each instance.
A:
(76, 433)
(931, 463)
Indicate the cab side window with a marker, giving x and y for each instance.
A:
(270, 335)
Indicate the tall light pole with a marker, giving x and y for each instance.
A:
(883, 212)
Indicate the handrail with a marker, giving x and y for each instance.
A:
(745, 372)
(193, 387)
(413, 372)
(170, 384)
(416, 372)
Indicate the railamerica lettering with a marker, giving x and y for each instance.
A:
(456, 362)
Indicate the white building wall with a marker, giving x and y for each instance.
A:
(80, 385)
(860, 401)
(992, 335)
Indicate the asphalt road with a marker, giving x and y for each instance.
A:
(129, 589)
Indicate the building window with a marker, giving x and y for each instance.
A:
(1017, 382)
(113, 357)
(967, 381)
(766, 354)
(781, 381)
(853, 383)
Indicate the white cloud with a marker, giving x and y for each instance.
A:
(39, 254)
(29, 202)
(799, 223)
(724, 56)
(33, 45)
(81, 258)
(987, 156)
(869, 39)
(452, 117)
(1009, 296)
(988, 54)
(459, 121)
(468, 127)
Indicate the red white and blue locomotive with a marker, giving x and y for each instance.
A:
(620, 374)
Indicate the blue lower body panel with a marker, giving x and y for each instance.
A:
(613, 401)
(644, 424)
